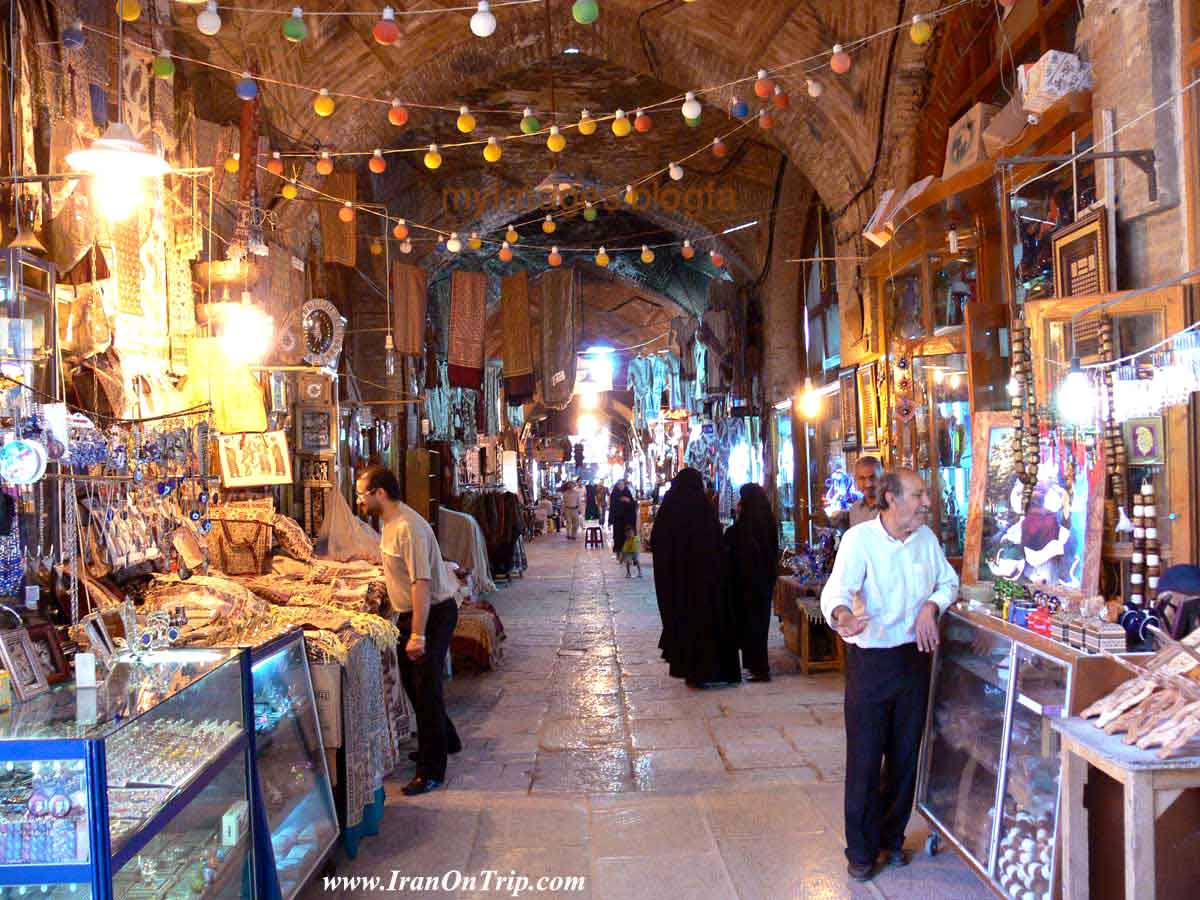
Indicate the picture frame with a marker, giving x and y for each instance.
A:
(21, 661)
(1144, 440)
(100, 640)
(316, 429)
(868, 408)
(48, 650)
(1080, 254)
(848, 393)
(253, 460)
(279, 392)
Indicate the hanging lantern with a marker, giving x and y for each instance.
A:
(346, 213)
(585, 12)
(209, 21)
(246, 88)
(294, 29)
(815, 88)
(72, 35)
(691, 108)
(473, 241)
(454, 245)
(289, 191)
(406, 246)
(386, 31)
(739, 109)
(433, 158)
(675, 170)
(323, 105)
(389, 345)
(555, 142)
(548, 225)
(506, 253)
(483, 23)
(529, 122)
(840, 61)
(587, 125)
(765, 119)
(630, 195)
(377, 163)
(780, 98)
(687, 251)
(233, 163)
(466, 121)
(920, 32)
(620, 125)
(764, 87)
(602, 258)
(642, 122)
(717, 259)
(164, 66)
(397, 114)
(129, 10)
(589, 212)
(554, 258)
(324, 164)
(511, 235)
(275, 164)
(647, 255)
(718, 147)
(400, 230)
(492, 151)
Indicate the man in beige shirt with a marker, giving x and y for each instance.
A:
(867, 472)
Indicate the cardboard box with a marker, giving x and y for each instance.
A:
(964, 145)
(1006, 126)
(1051, 78)
(875, 232)
(233, 823)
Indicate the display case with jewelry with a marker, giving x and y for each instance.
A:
(134, 788)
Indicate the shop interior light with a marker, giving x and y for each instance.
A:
(1077, 396)
(248, 333)
(118, 163)
(809, 401)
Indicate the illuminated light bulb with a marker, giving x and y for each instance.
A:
(642, 122)
(511, 235)
(506, 253)
(164, 66)
(209, 21)
(483, 23)
(840, 61)
(397, 114)
(1077, 397)
(433, 158)
(406, 246)
(454, 245)
(1013, 386)
(739, 109)
(630, 195)
(717, 259)
(400, 230)
(247, 87)
(952, 240)
(376, 248)
(294, 29)
(765, 119)
(473, 241)
(920, 32)
(548, 225)
(248, 334)
(554, 258)
(602, 258)
(555, 142)
(389, 355)
(529, 122)
(815, 88)
(585, 12)
(129, 10)
(589, 212)
(346, 213)
(466, 121)
(117, 196)
(955, 381)
(809, 401)
(492, 150)
(386, 31)
(324, 164)
(289, 191)
(377, 163)
(275, 163)
(691, 108)
(233, 163)
(621, 125)
(675, 170)
(323, 105)
(587, 125)
(780, 98)
(718, 147)
(647, 255)
(687, 251)
(938, 375)
(72, 36)
(764, 86)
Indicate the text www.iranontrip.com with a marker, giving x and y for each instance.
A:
(489, 880)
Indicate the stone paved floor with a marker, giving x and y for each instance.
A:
(583, 757)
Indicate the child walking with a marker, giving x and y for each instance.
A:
(630, 550)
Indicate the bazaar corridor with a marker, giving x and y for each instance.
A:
(582, 757)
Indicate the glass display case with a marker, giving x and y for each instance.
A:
(135, 788)
(290, 755)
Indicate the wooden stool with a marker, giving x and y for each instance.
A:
(593, 537)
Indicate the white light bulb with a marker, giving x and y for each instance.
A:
(209, 21)
(117, 194)
(691, 106)
(454, 244)
(1077, 397)
(406, 246)
(809, 402)
(815, 89)
(483, 23)
(676, 172)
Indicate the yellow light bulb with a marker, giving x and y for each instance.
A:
(466, 121)
(555, 143)
(647, 255)
(621, 126)
(492, 151)
(474, 242)
(587, 125)
(433, 158)
(323, 105)
(511, 235)
(289, 191)
(548, 225)
(602, 258)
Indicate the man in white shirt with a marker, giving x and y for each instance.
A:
(867, 472)
(889, 584)
(571, 498)
(421, 591)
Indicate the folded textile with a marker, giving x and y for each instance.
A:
(462, 541)
(410, 291)
(517, 346)
(468, 311)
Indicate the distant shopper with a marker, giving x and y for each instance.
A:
(630, 549)
(591, 511)
(602, 501)
(571, 497)
(752, 563)
(622, 512)
(867, 472)
(889, 584)
(421, 591)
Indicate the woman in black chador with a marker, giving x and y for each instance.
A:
(622, 512)
(752, 563)
(699, 637)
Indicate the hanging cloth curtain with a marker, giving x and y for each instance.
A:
(410, 292)
(559, 301)
(468, 312)
(338, 238)
(233, 391)
(517, 338)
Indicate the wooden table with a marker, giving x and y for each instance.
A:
(1150, 786)
(798, 605)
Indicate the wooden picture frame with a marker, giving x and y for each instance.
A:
(44, 639)
(1144, 440)
(253, 460)
(21, 660)
(316, 429)
(868, 408)
(848, 397)
(996, 541)
(1080, 253)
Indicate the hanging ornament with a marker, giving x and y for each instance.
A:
(397, 114)
(129, 10)
(233, 163)
(294, 29)
(642, 122)
(555, 142)
(454, 245)
(346, 213)
(589, 212)
(72, 35)
(529, 122)
(739, 109)
(691, 108)
(587, 125)
(377, 163)
(406, 246)
(647, 255)
(765, 119)
(275, 164)
(164, 66)
(585, 12)
(324, 164)
(433, 158)
(620, 124)
(687, 251)
(466, 121)
(548, 225)
(764, 87)
(511, 235)
(400, 230)
(389, 354)
(602, 258)
(675, 170)
(630, 195)
(492, 151)
(386, 31)
(246, 88)
(289, 191)
(920, 32)
(554, 258)
(323, 105)
(718, 147)
(483, 23)
(473, 241)
(815, 88)
(780, 98)
(717, 259)
(840, 61)
(209, 21)
(440, 246)
(506, 253)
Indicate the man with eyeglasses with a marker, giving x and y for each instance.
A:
(421, 592)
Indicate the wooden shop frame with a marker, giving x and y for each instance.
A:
(868, 407)
(848, 400)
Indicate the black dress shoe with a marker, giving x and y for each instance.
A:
(897, 859)
(861, 872)
(420, 785)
